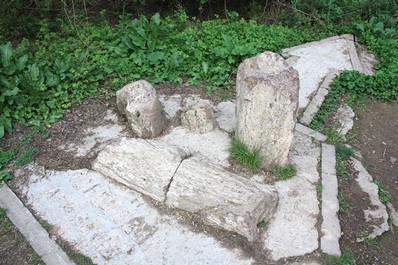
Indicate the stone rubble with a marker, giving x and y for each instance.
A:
(138, 101)
(198, 118)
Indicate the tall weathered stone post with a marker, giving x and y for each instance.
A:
(267, 105)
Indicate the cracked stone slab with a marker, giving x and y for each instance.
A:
(143, 165)
(376, 215)
(214, 145)
(222, 198)
(112, 224)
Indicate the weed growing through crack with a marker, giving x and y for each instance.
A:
(76, 257)
(319, 188)
(384, 195)
(262, 224)
(285, 172)
(334, 137)
(241, 154)
(344, 152)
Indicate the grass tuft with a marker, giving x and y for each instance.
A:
(285, 172)
(241, 154)
(345, 259)
(344, 152)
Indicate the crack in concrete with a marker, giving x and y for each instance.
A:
(167, 188)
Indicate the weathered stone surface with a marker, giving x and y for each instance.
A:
(345, 117)
(330, 227)
(145, 166)
(139, 102)
(267, 104)
(392, 213)
(198, 118)
(376, 215)
(223, 199)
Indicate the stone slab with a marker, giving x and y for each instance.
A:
(292, 230)
(145, 166)
(376, 215)
(314, 60)
(345, 117)
(330, 228)
(112, 224)
(356, 63)
(393, 214)
(222, 198)
(317, 100)
(310, 132)
(267, 91)
(214, 145)
(29, 227)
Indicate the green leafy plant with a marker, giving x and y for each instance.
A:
(5, 175)
(2, 213)
(384, 195)
(26, 139)
(285, 172)
(240, 153)
(5, 157)
(26, 157)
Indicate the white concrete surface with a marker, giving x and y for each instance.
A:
(29, 227)
(292, 231)
(314, 60)
(112, 224)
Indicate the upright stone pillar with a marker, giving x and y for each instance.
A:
(267, 105)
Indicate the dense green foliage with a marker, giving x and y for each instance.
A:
(77, 50)
(355, 86)
(41, 78)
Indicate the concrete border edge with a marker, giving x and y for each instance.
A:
(29, 227)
